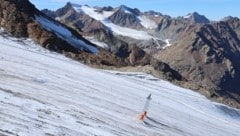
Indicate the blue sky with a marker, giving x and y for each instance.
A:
(213, 9)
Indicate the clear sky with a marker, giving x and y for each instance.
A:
(212, 9)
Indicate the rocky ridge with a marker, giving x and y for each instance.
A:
(209, 56)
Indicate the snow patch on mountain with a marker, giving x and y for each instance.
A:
(187, 16)
(147, 23)
(168, 43)
(98, 43)
(65, 34)
(92, 12)
(136, 34)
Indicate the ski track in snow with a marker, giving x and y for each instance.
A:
(44, 93)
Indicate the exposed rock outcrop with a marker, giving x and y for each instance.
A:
(15, 15)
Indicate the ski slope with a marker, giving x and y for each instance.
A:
(44, 93)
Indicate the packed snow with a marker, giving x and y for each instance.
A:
(65, 34)
(44, 93)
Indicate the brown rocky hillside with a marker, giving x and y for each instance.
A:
(209, 56)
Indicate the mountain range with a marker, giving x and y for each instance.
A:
(191, 50)
(204, 52)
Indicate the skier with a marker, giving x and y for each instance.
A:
(144, 114)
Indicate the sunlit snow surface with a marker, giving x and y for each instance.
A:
(147, 23)
(43, 93)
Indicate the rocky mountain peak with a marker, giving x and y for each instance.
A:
(127, 10)
(196, 18)
(230, 19)
(153, 13)
(69, 5)
(126, 17)
(124, 8)
(108, 8)
(227, 18)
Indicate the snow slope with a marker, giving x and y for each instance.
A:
(43, 93)
(92, 12)
(147, 23)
